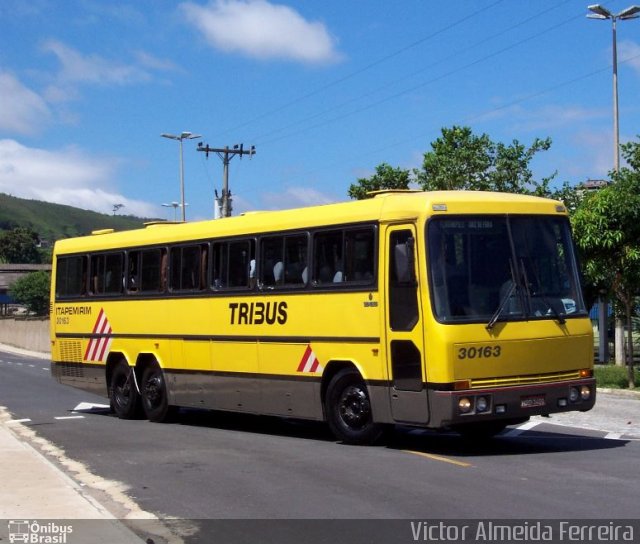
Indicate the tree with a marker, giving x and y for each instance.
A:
(32, 290)
(460, 159)
(606, 226)
(19, 246)
(386, 177)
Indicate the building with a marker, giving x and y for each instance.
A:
(9, 273)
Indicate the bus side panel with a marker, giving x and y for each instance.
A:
(90, 378)
(229, 383)
(294, 395)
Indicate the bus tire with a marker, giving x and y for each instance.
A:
(348, 409)
(124, 397)
(155, 400)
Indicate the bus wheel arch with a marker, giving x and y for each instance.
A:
(154, 392)
(347, 405)
(122, 387)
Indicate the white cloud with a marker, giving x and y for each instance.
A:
(66, 176)
(296, 197)
(79, 68)
(554, 116)
(595, 155)
(262, 30)
(22, 110)
(631, 51)
(545, 117)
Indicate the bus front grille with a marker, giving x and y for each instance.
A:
(525, 380)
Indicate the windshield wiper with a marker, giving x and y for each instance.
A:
(503, 303)
(561, 320)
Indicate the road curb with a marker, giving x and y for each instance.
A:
(21, 351)
(628, 393)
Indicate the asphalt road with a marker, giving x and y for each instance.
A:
(210, 465)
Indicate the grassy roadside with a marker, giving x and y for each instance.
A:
(614, 377)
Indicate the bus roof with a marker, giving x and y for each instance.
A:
(387, 206)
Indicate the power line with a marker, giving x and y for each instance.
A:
(404, 141)
(423, 84)
(416, 72)
(226, 155)
(363, 69)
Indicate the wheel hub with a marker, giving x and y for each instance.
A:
(355, 408)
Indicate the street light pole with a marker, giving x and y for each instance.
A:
(175, 205)
(180, 138)
(600, 12)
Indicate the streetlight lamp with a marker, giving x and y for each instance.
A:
(600, 12)
(175, 205)
(182, 136)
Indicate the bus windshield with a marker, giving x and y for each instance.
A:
(493, 268)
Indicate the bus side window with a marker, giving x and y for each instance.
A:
(219, 254)
(327, 254)
(295, 254)
(187, 268)
(97, 275)
(114, 273)
(71, 276)
(272, 261)
(241, 253)
(359, 255)
(133, 269)
(152, 277)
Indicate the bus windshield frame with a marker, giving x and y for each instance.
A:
(502, 267)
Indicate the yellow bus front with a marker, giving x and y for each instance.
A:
(507, 334)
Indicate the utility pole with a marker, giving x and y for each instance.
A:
(226, 155)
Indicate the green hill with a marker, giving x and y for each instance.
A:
(55, 221)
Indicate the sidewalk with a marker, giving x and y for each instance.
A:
(36, 491)
(37, 496)
(617, 412)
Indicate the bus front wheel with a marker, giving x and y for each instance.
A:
(124, 397)
(348, 409)
(154, 395)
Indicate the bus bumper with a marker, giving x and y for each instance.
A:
(510, 404)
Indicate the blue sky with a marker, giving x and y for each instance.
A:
(325, 90)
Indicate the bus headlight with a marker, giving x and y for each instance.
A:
(574, 394)
(585, 392)
(464, 405)
(482, 404)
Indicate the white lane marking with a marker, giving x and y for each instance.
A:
(25, 420)
(89, 406)
(521, 429)
(69, 417)
(613, 436)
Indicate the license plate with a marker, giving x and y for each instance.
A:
(532, 402)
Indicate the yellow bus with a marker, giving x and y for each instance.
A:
(444, 310)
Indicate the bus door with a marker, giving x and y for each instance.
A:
(405, 339)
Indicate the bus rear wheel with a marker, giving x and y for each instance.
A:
(155, 400)
(124, 397)
(348, 409)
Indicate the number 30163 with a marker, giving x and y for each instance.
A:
(480, 352)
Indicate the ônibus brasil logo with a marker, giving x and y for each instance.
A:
(33, 532)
